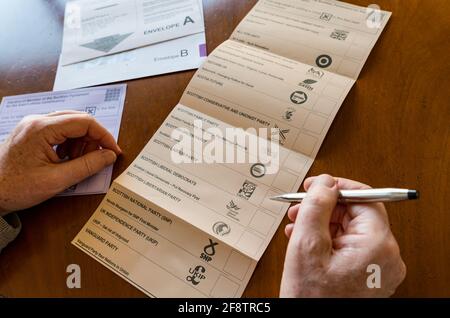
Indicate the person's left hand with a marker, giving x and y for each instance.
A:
(32, 171)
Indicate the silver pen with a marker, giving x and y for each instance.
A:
(361, 196)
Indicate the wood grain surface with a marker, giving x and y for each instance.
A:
(391, 131)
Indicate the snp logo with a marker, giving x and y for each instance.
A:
(209, 251)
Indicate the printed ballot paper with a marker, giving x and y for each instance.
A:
(104, 103)
(197, 229)
(176, 46)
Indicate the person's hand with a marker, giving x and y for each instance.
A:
(331, 245)
(32, 171)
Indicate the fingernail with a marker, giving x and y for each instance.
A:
(110, 156)
(310, 179)
(324, 180)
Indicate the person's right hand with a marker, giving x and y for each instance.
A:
(331, 245)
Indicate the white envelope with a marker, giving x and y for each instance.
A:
(103, 27)
(181, 54)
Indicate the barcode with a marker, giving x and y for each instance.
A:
(339, 35)
(112, 94)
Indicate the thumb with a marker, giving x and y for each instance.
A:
(76, 170)
(311, 229)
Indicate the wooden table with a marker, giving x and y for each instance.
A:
(392, 130)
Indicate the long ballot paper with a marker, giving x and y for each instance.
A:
(199, 229)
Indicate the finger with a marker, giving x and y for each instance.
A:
(74, 171)
(347, 184)
(343, 184)
(292, 212)
(311, 228)
(80, 126)
(288, 229)
(334, 229)
(336, 216)
(64, 112)
(307, 183)
(372, 210)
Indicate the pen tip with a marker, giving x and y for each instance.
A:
(413, 194)
(276, 198)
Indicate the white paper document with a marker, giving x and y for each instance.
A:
(102, 27)
(181, 54)
(173, 54)
(104, 103)
(197, 228)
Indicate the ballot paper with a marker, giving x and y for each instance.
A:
(104, 103)
(102, 27)
(180, 54)
(198, 228)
